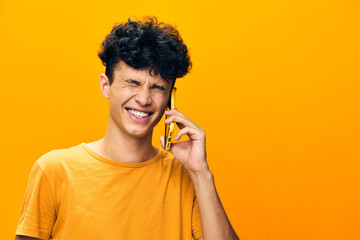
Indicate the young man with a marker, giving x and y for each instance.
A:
(121, 186)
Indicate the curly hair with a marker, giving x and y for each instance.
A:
(146, 44)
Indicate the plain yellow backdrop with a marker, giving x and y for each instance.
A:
(275, 85)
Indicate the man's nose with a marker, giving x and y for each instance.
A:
(143, 97)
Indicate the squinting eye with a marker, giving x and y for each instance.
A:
(135, 83)
(159, 87)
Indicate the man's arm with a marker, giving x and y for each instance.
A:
(192, 155)
(20, 237)
(215, 224)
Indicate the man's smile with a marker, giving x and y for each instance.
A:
(139, 114)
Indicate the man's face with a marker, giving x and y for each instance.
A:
(137, 100)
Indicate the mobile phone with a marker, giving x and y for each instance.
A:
(169, 128)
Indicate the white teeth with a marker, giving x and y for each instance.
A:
(138, 114)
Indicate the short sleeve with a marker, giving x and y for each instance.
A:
(196, 221)
(38, 213)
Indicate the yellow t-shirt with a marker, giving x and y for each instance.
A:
(76, 194)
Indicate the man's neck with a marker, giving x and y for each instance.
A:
(122, 148)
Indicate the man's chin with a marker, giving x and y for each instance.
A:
(137, 133)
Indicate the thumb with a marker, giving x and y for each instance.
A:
(162, 141)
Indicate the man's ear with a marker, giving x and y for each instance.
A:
(104, 85)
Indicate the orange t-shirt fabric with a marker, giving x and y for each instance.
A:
(75, 194)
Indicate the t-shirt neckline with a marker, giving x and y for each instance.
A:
(122, 164)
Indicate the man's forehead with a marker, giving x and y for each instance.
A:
(125, 71)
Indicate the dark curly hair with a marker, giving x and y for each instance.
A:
(146, 44)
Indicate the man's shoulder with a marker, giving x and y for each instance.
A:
(57, 157)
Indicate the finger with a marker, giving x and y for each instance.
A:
(180, 146)
(168, 121)
(162, 141)
(180, 121)
(176, 112)
(191, 132)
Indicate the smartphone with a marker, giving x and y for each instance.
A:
(169, 128)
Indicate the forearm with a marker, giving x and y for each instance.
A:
(215, 224)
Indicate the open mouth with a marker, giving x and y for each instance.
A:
(139, 114)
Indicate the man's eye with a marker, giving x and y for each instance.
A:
(134, 82)
(158, 87)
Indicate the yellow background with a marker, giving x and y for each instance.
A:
(275, 84)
